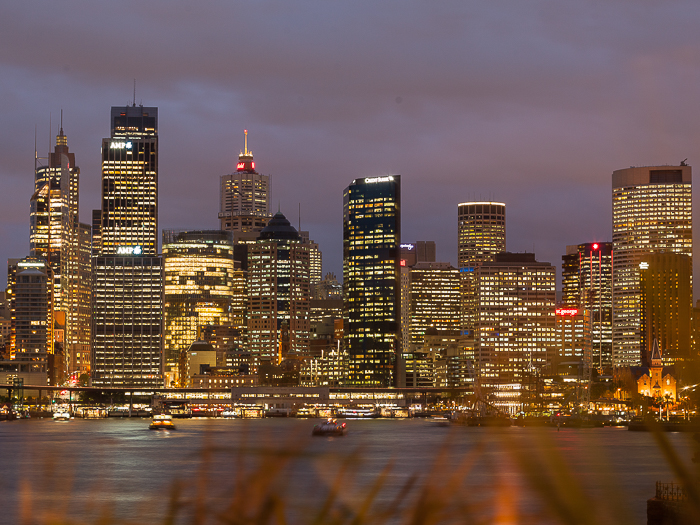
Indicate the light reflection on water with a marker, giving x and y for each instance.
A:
(83, 469)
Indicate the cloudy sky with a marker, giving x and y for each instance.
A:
(530, 103)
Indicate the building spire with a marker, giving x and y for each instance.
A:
(245, 146)
(61, 139)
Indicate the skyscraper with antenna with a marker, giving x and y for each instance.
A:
(55, 236)
(244, 196)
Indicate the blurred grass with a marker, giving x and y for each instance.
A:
(259, 490)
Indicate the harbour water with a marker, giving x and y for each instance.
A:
(83, 469)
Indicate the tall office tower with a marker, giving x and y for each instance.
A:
(652, 213)
(54, 235)
(127, 328)
(666, 305)
(515, 328)
(244, 196)
(278, 293)
(435, 299)
(587, 286)
(315, 259)
(481, 235)
(328, 288)
(198, 290)
(29, 283)
(79, 352)
(130, 181)
(434, 309)
(372, 279)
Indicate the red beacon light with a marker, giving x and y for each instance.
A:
(595, 246)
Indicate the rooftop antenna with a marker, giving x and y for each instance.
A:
(134, 92)
(245, 142)
(300, 216)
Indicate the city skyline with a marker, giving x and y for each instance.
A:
(541, 129)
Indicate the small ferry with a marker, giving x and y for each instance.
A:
(162, 422)
(330, 428)
(61, 415)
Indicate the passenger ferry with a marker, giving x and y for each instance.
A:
(330, 428)
(162, 422)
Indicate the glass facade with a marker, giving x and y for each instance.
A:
(371, 279)
(198, 287)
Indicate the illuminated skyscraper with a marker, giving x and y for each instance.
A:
(587, 286)
(244, 196)
(127, 329)
(278, 293)
(371, 279)
(315, 259)
(515, 328)
(129, 214)
(652, 213)
(481, 235)
(55, 236)
(666, 305)
(199, 278)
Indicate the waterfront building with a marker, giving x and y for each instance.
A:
(573, 329)
(127, 327)
(666, 305)
(244, 197)
(656, 380)
(127, 321)
(481, 235)
(371, 279)
(515, 333)
(587, 287)
(196, 358)
(198, 290)
(278, 293)
(56, 235)
(652, 213)
(29, 284)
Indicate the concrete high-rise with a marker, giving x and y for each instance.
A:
(481, 235)
(278, 293)
(515, 323)
(371, 279)
(127, 328)
(244, 204)
(652, 213)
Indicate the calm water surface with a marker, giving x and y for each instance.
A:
(86, 469)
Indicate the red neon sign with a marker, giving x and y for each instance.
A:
(567, 311)
(403, 262)
(240, 166)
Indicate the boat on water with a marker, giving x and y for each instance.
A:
(162, 422)
(229, 414)
(62, 415)
(331, 427)
(357, 413)
(439, 422)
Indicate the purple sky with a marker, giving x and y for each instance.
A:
(530, 103)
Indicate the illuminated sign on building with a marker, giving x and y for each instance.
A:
(403, 262)
(120, 145)
(643, 265)
(129, 250)
(241, 166)
(567, 311)
(373, 180)
(407, 246)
